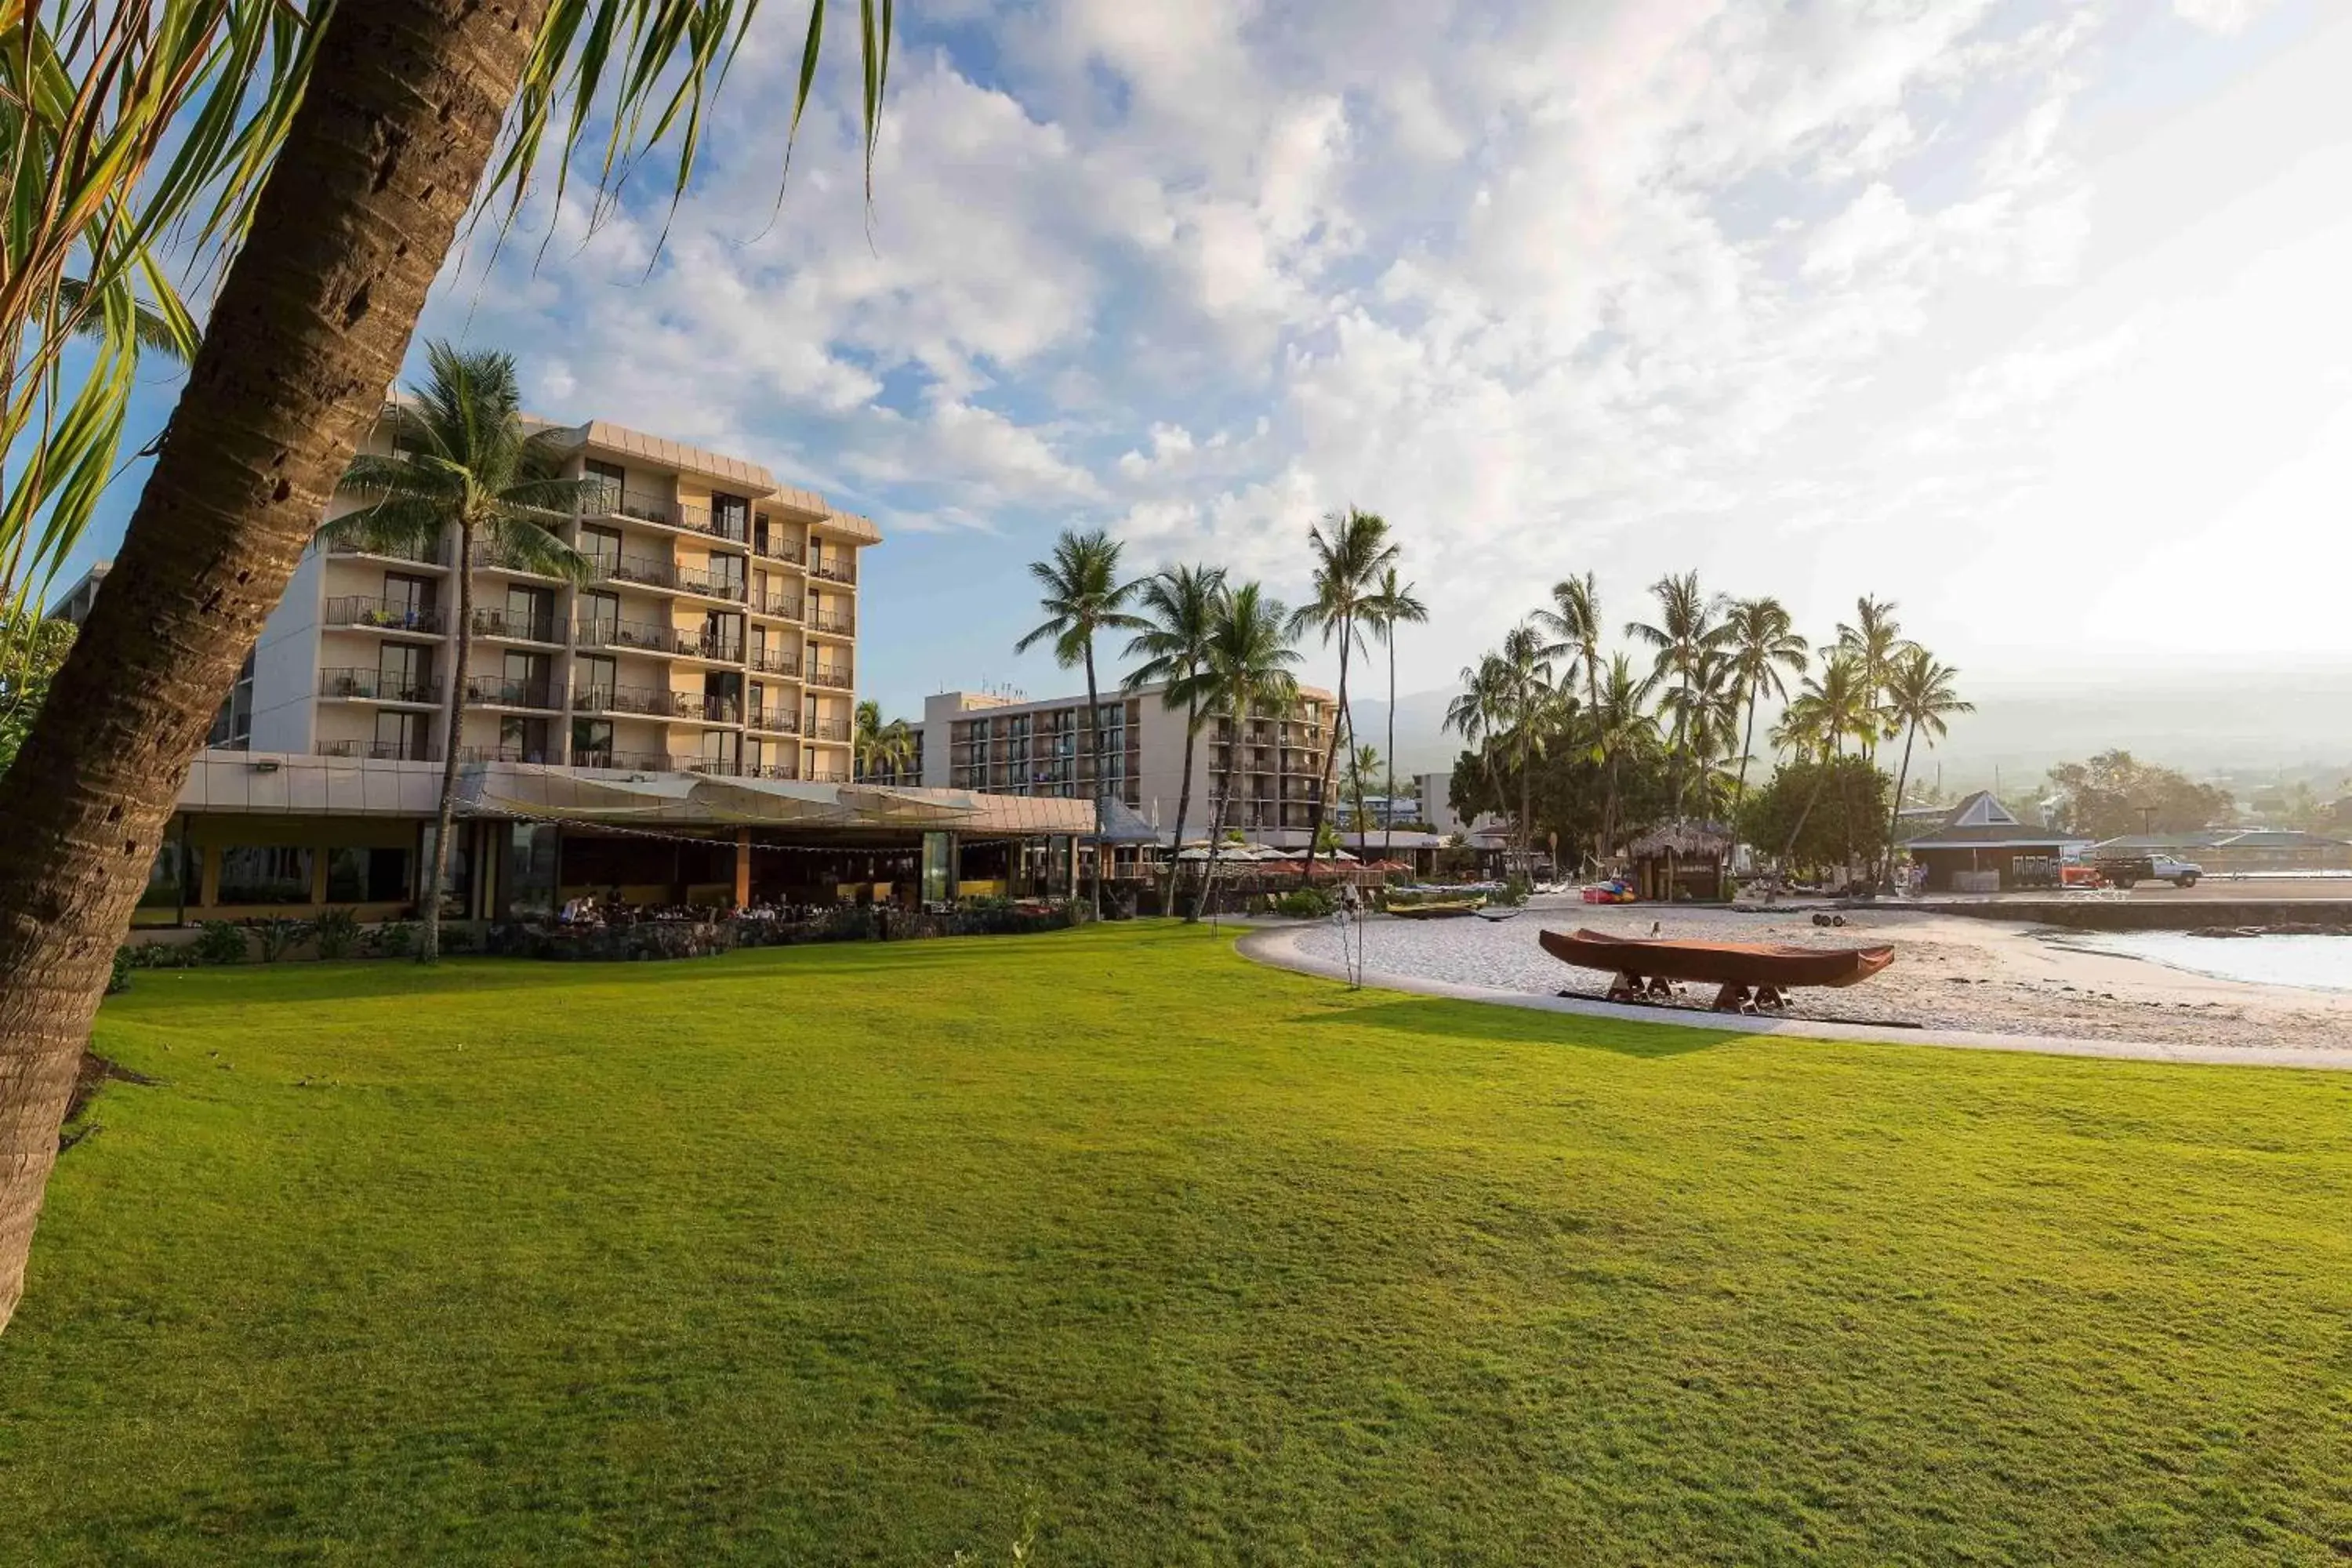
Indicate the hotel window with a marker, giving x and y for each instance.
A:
(367, 876)
(599, 613)
(405, 672)
(616, 481)
(410, 599)
(730, 515)
(400, 736)
(173, 879)
(594, 677)
(265, 874)
(592, 743)
(522, 740)
(603, 546)
(531, 612)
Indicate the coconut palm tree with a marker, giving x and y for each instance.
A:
(1248, 666)
(1530, 709)
(463, 463)
(1479, 712)
(1875, 639)
(1351, 552)
(1180, 606)
(877, 749)
(1834, 707)
(1920, 698)
(1764, 642)
(340, 195)
(1687, 631)
(1620, 722)
(1574, 622)
(1083, 596)
(1393, 605)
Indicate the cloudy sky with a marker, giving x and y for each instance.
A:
(2035, 315)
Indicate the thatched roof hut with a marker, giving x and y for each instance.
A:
(1682, 861)
(1687, 840)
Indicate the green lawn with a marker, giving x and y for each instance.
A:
(873, 1254)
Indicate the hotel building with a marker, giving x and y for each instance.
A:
(717, 633)
(977, 741)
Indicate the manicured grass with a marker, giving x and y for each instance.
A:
(871, 1253)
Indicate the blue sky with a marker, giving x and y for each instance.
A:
(2028, 313)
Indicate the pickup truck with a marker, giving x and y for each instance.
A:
(2128, 870)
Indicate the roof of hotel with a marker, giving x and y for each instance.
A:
(679, 456)
(1981, 821)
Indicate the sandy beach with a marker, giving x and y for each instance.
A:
(1949, 973)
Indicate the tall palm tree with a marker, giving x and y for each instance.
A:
(877, 749)
(1875, 640)
(1180, 606)
(1574, 622)
(1479, 712)
(1621, 723)
(1764, 643)
(1529, 707)
(1920, 697)
(1834, 707)
(1687, 631)
(1351, 552)
(1083, 596)
(463, 463)
(1393, 605)
(1248, 666)
(366, 153)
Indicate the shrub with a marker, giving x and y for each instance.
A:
(220, 942)
(392, 939)
(1306, 903)
(336, 930)
(456, 939)
(119, 980)
(276, 934)
(1516, 888)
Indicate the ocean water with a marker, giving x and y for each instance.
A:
(2311, 963)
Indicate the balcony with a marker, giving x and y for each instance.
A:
(655, 702)
(838, 623)
(433, 554)
(491, 558)
(830, 570)
(508, 627)
(652, 636)
(837, 675)
(384, 616)
(776, 661)
(380, 751)
(775, 721)
(828, 730)
(492, 691)
(710, 584)
(828, 775)
(375, 686)
(723, 767)
(638, 505)
(771, 771)
(783, 606)
(776, 549)
(649, 571)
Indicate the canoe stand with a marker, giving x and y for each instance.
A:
(1731, 998)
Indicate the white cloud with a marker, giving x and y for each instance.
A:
(2220, 16)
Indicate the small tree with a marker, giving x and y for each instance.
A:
(30, 653)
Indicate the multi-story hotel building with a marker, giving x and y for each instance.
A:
(717, 633)
(1003, 745)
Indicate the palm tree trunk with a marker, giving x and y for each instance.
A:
(1895, 812)
(1527, 793)
(1217, 815)
(1094, 785)
(313, 318)
(1746, 748)
(428, 947)
(1820, 777)
(1183, 802)
(1388, 815)
(1330, 757)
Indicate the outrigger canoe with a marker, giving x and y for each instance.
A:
(1643, 964)
(1450, 911)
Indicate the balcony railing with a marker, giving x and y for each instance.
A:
(491, 691)
(833, 570)
(828, 730)
(776, 720)
(651, 637)
(771, 771)
(657, 702)
(492, 558)
(634, 762)
(833, 621)
(651, 570)
(776, 549)
(710, 584)
(384, 614)
(544, 756)
(708, 645)
(834, 675)
(516, 627)
(375, 686)
(380, 751)
(828, 775)
(775, 661)
(433, 554)
(723, 767)
(614, 500)
(785, 606)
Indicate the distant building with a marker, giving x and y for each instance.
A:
(2243, 850)
(1437, 792)
(1981, 846)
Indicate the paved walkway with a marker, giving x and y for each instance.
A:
(1278, 945)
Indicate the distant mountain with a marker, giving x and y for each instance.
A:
(1423, 742)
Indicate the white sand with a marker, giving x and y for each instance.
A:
(1949, 973)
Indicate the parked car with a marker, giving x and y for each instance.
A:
(2129, 870)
